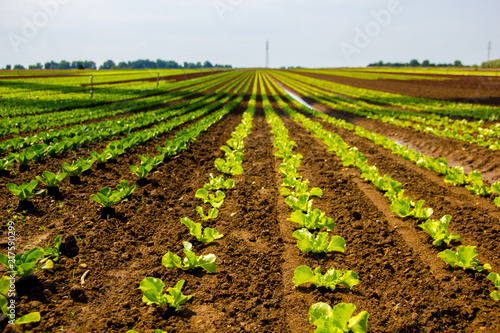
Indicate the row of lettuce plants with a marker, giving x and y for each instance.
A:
(453, 175)
(32, 96)
(431, 106)
(40, 151)
(464, 257)
(397, 118)
(298, 197)
(175, 91)
(152, 288)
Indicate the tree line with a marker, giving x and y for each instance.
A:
(110, 64)
(414, 63)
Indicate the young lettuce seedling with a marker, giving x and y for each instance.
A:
(332, 277)
(106, 197)
(300, 202)
(192, 261)
(307, 242)
(124, 190)
(152, 290)
(218, 183)
(25, 191)
(50, 179)
(212, 213)
(438, 230)
(5, 284)
(338, 319)
(207, 235)
(216, 201)
(142, 171)
(495, 278)
(53, 252)
(464, 257)
(26, 263)
(314, 219)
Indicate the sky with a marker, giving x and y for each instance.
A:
(306, 33)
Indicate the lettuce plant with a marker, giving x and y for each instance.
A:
(5, 163)
(307, 242)
(438, 230)
(300, 202)
(229, 166)
(78, 167)
(206, 235)
(332, 277)
(456, 176)
(495, 278)
(314, 219)
(26, 263)
(215, 200)
(106, 197)
(53, 252)
(141, 171)
(50, 179)
(406, 207)
(464, 258)
(475, 178)
(124, 190)
(5, 284)
(218, 183)
(212, 213)
(152, 290)
(25, 191)
(338, 319)
(191, 261)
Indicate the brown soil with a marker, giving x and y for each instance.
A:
(459, 88)
(403, 285)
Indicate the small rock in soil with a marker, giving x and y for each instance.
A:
(78, 294)
(47, 292)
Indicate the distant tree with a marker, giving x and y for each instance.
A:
(64, 65)
(107, 64)
(414, 63)
(8, 67)
(37, 66)
(19, 67)
(458, 63)
(207, 64)
(426, 63)
(123, 65)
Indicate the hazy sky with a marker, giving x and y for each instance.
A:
(309, 33)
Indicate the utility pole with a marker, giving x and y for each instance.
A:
(267, 54)
(489, 50)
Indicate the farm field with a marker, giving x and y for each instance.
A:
(378, 180)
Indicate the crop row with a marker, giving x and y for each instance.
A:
(401, 205)
(298, 197)
(40, 95)
(152, 288)
(79, 114)
(454, 175)
(413, 103)
(398, 118)
(105, 130)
